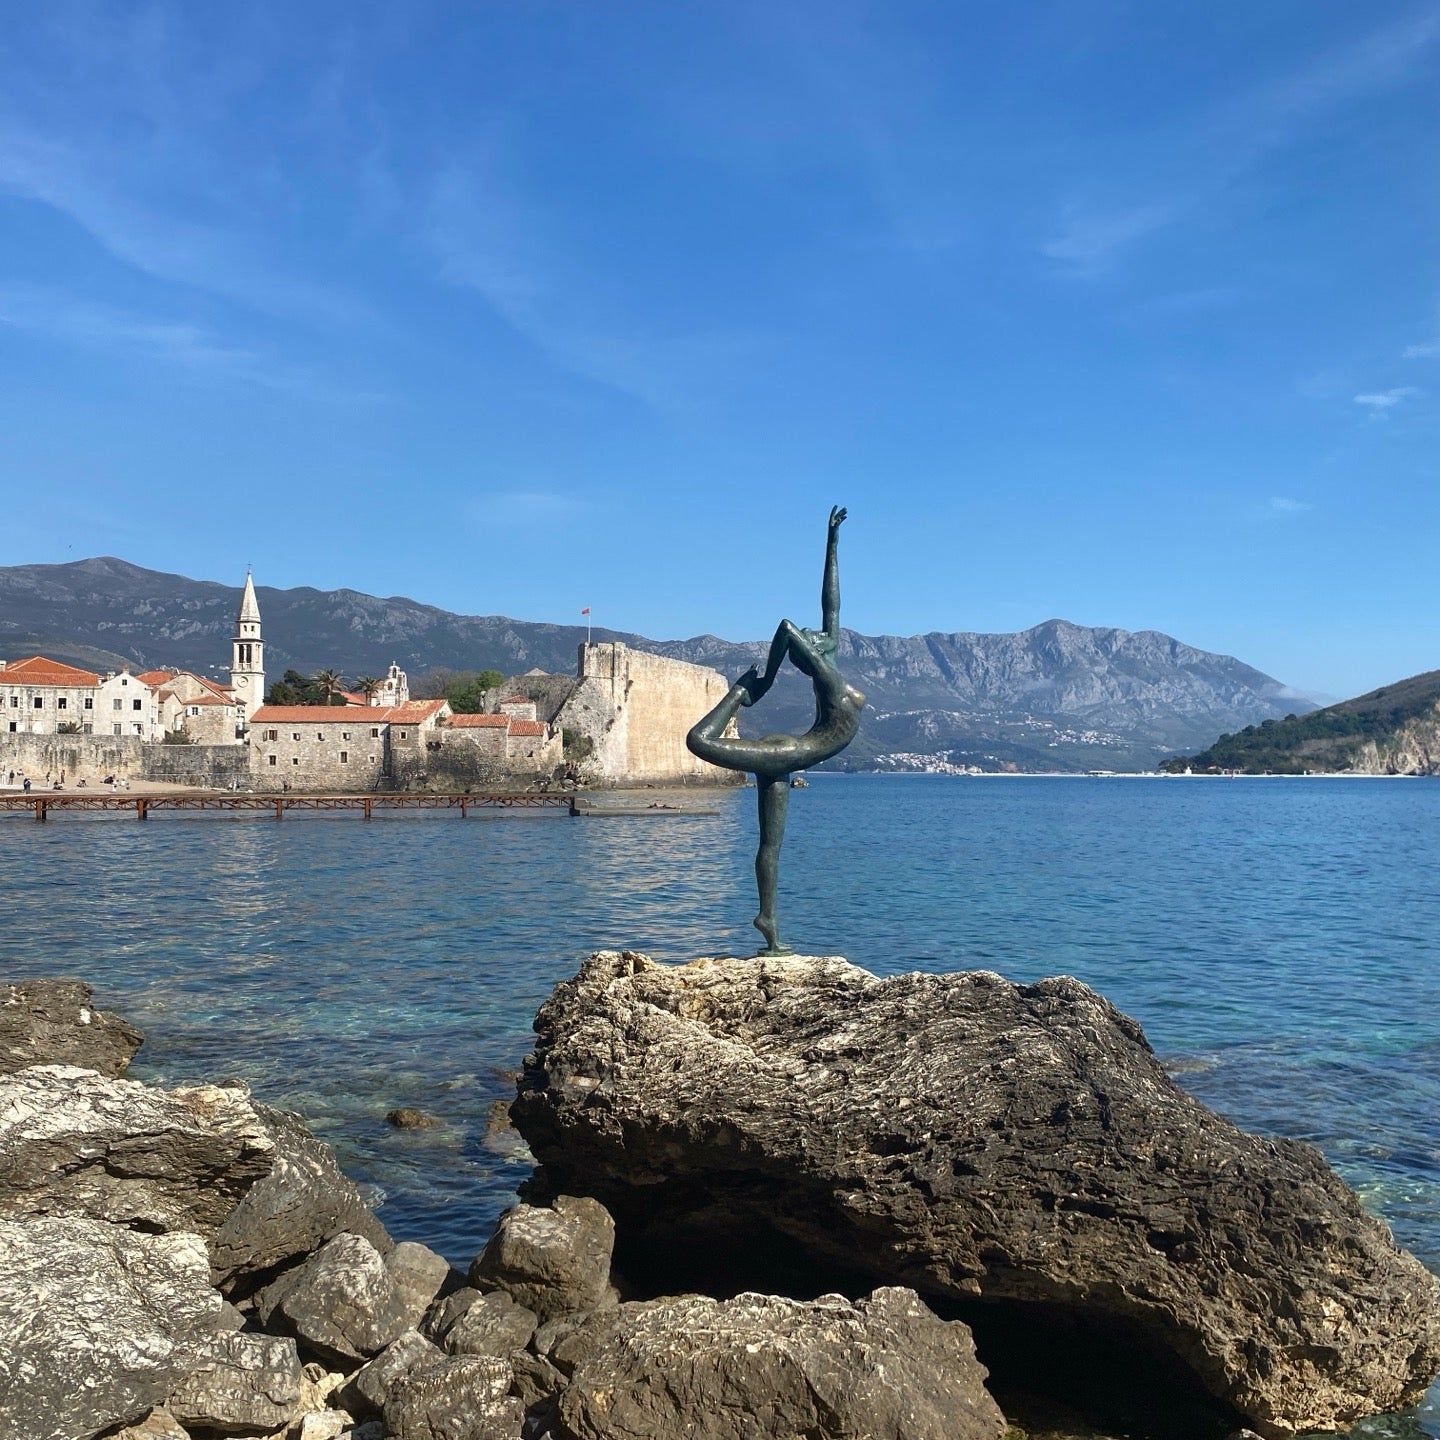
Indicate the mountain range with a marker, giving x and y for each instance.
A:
(1058, 696)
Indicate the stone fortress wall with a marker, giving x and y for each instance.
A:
(92, 758)
(636, 708)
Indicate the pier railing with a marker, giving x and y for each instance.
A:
(41, 805)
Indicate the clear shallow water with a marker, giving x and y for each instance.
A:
(1277, 939)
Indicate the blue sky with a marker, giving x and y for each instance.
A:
(1123, 312)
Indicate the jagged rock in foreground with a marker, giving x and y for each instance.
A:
(97, 1324)
(77, 1143)
(977, 1140)
(241, 1384)
(302, 1202)
(553, 1260)
(694, 1368)
(51, 1022)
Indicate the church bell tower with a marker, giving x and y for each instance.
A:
(247, 665)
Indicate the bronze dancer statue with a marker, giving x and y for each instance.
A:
(772, 759)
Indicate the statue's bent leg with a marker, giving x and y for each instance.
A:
(774, 797)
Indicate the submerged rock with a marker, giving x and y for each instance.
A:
(694, 1368)
(99, 1324)
(553, 1260)
(77, 1143)
(407, 1117)
(1019, 1146)
(52, 1022)
(302, 1202)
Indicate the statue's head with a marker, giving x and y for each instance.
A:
(812, 648)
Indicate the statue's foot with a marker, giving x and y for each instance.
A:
(767, 927)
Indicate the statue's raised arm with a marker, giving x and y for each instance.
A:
(830, 585)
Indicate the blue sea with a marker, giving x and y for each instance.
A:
(1276, 938)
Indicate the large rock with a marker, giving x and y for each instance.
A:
(341, 1302)
(97, 1324)
(495, 1324)
(974, 1139)
(241, 1384)
(76, 1143)
(301, 1203)
(694, 1368)
(462, 1397)
(52, 1022)
(554, 1260)
(419, 1274)
(368, 1388)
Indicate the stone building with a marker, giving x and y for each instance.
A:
(339, 747)
(126, 705)
(40, 696)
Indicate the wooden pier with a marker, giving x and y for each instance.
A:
(42, 805)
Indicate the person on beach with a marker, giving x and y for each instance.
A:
(772, 759)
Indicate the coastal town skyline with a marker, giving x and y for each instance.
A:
(385, 275)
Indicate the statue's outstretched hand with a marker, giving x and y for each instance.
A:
(753, 686)
(837, 516)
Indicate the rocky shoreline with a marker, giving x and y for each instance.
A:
(776, 1198)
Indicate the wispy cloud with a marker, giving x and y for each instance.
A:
(1426, 350)
(527, 509)
(487, 239)
(1387, 399)
(1230, 140)
(1089, 240)
(1288, 505)
(182, 344)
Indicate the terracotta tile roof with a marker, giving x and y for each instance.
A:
(307, 715)
(415, 713)
(528, 727)
(475, 722)
(155, 678)
(209, 700)
(224, 691)
(37, 670)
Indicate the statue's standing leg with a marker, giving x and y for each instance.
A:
(774, 797)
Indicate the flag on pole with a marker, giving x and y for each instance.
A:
(586, 613)
(586, 610)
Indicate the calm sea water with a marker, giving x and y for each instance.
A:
(1277, 939)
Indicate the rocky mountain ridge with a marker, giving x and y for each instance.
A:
(1394, 730)
(1058, 696)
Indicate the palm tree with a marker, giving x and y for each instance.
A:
(330, 683)
(368, 686)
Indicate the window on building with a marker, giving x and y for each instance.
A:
(295, 760)
(14, 702)
(117, 704)
(89, 702)
(272, 734)
(404, 734)
(344, 734)
(272, 759)
(294, 734)
(139, 729)
(118, 729)
(39, 702)
(137, 704)
(124, 679)
(375, 734)
(62, 703)
(372, 758)
(194, 709)
(13, 727)
(319, 734)
(344, 757)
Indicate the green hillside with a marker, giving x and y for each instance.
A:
(1335, 739)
